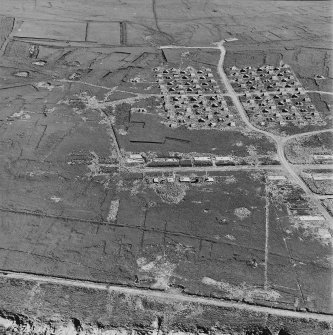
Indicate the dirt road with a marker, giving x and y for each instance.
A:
(279, 140)
(164, 295)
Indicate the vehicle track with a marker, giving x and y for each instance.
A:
(279, 140)
(164, 295)
(320, 92)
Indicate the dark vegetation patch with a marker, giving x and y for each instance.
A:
(146, 134)
(301, 150)
(258, 331)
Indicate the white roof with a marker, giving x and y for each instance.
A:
(165, 159)
(223, 158)
(130, 160)
(135, 156)
(311, 218)
(276, 178)
(322, 176)
(323, 156)
(202, 158)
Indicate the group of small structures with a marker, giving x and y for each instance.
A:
(187, 81)
(135, 159)
(191, 160)
(192, 98)
(298, 205)
(181, 179)
(274, 96)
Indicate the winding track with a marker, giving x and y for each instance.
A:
(279, 140)
(238, 306)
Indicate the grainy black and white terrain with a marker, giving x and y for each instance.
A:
(166, 167)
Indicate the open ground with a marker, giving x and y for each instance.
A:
(145, 190)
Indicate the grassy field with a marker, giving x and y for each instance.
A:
(301, 150)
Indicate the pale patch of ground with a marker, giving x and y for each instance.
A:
(242, 291)
(230, 179)
(22, 74)
(160, 269)
(122, 132)
(230, 237)
(171, 193)
(94, 165)
(67, 330)
(22, 115)
(113, 211)
(242, 213)
(5, 323)
(318, 230)
(46, 85)
(55, 199)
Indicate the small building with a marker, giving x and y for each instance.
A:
(165, 160)
(276, 178)
(202, 159)
(311, 218)
(322, 176)
(224, 159)
(135, 156)
(323, 157)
